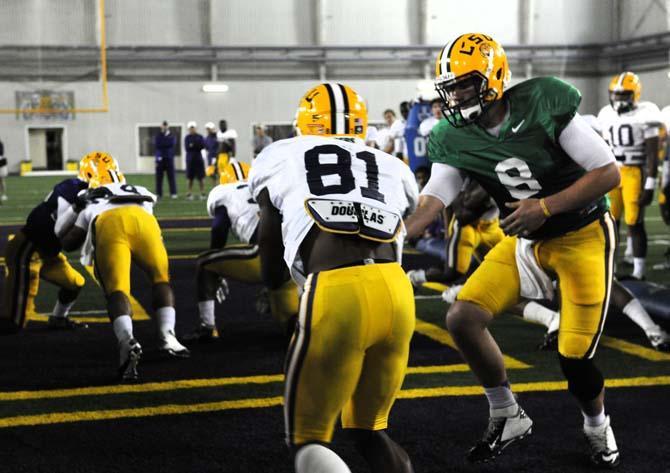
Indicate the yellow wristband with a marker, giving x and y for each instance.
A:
(545, 209)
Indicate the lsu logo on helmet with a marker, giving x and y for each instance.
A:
(332, 109)
(471, 72)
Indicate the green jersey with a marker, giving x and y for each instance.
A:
(525, 160)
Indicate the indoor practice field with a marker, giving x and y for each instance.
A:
(220, 410)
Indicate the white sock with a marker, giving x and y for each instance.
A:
(61, 310)
(539, 314)
(500, 400)
(637, 314)
(629, 246)
(638, 267)
(123, 328)
(314, 458)
(594, 421)
(165, 316)
(206, 310)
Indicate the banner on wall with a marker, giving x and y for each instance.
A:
(45, 105)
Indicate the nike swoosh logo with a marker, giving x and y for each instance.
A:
(515, 128)
(610, 457)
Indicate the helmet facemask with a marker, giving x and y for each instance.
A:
(622, 101)
(465, 98)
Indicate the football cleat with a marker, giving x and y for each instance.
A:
(202, 334)
(660, 340)
(171, 346)
(449, 296)
(65, 323)
(417, 277)
(500, 433)
(222, 291)
(550, 341)
(604, 451)
(131, 352)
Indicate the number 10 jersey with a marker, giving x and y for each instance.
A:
(340, 185)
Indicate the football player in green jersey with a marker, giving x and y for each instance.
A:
(548, 172)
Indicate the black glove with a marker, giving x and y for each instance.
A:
(80, 202)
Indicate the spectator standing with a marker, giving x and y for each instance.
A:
(3, 174)
(195, 159)
(212, 148)
(165, 143)
(261, 140)
(428, 124)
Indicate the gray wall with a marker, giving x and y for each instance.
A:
(133, 103)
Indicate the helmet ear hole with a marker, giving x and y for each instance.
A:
(499, 74)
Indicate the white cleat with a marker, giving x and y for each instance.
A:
(130, 354)
(604, 451)
(417, 277)
(659, 339)
(170, 345)
(500, 433)
(449, 296)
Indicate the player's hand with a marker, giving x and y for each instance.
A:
(80, 202)
(646, 197)
(526, 218)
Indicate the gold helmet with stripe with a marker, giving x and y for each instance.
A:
(234, 171)
(624, 91)
(108, 171)
(88, 167)
(332, 109)
(471, 73)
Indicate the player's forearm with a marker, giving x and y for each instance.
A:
(652, 150)
(590, 187)
(428, 210)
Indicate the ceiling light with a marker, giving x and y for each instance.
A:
(215, 88)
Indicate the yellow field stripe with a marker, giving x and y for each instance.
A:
(258, 403)
(87, 320)
(530, 387)
(138, 311)
(140, 388)
(184, 230)
(440, 335)
(164, 410)
(634, 349)
(187, 384)
(436, 286)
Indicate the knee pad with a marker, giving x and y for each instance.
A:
(584, 379)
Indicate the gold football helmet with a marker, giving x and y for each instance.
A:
(108, 171)
(88, 168)
(234, 171)
(471, 73)
(624, 91)
(332, 109)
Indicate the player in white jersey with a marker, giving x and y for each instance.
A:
(632, 130)
(115, 225)
(233, 209)
(335, 206)
(428, 123)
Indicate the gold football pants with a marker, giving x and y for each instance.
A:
(466, 241)
(243, 263)
(126, 234)
(624, 200)
(25, 267)
(581, 261)
(349, 353)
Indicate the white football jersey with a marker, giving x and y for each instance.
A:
(626, 133)
(120, 195)
(340, 185)
(241, 207)
(427, 125)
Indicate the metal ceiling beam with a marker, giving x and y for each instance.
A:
(369, 61)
